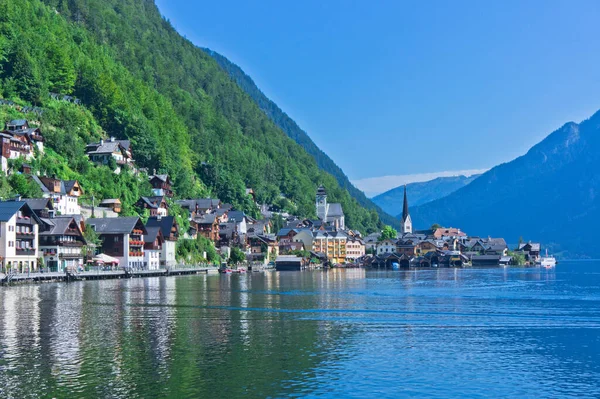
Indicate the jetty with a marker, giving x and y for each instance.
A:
(69, 276)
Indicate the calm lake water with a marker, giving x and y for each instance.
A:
(355, 333)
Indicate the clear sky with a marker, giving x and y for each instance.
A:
(399, 88)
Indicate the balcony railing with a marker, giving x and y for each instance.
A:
(25, 251)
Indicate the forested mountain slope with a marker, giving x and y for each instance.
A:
(291, 128)
(141, 80)
(551, 194)
(420, 193)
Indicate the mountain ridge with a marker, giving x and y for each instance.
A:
(549, 194)
(420, 193)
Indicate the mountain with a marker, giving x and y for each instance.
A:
(420, 193)
(291, 128)
(138, 79)
(551, 194)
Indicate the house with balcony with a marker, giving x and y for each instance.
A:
(170, 233)
(153, 243)
(156, 205)
(161, 185)
(207, 225)
(19, 227)
(355, 248)
(64, 194)
(120, 150)
(18, 139)
(122, 238)
(200, 206)
(332, 244)
(61, 242)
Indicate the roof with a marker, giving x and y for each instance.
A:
(321, 191)
(9, 208)
(164, 178)
(69, 184)
(153, 202)
(120, 225)
(335, 209)
(57, 225)
(237, 216)
(107, 146)
(38, 204)
(165, 223)
(535, 246)
(110, 201)
(17, 122)
(152, 233)
(288, 258)
(206, 219)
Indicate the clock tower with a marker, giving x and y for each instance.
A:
(321, 203)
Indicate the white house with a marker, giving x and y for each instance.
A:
(64, 194)
(386, 246)
(170, 233)
(19, 227)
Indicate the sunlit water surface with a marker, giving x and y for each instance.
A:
(426, 333)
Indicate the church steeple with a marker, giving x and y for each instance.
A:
(406, 220)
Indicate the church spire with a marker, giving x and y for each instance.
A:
(405, 207)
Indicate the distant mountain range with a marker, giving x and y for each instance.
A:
(420, 193)
(551, 194)
(291, 128)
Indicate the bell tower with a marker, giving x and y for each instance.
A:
(321, 203)
(406, 220)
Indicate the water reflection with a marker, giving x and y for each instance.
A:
(505, 332)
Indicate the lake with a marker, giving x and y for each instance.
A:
(502, 332)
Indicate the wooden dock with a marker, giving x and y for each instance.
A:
(16, 278)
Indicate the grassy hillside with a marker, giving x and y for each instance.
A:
(291, 128)
(141, 80)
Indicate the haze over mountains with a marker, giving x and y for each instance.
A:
(420, 193)
(551, 194)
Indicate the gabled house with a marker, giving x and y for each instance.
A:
(386, 246)
(407, 247)
(201, 206)
(161, 185)
(262, 247)
(443, 232)
(19, 229)
(60, 243)
(157, 205)
(64, 194)
(122, 238)
(170, 233)
(19, 140)
(355, 248)
(530, 249)
(120, 150)
(495, 246)
(153, 243)
(207, 226)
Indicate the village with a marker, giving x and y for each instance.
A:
(47, 234)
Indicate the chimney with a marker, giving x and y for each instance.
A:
(112, 139)
(101, 141)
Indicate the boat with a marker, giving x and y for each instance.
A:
(547, 261)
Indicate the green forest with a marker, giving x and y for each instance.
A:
(138, 79)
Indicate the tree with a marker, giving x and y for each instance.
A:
(236, 256)
(435, 226)
(388, 233)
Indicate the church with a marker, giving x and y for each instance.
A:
(331, 214)
(406, 227)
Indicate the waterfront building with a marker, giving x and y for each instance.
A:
(122, 238)
(332, 244)
(170, 233)
(386, 247)
(153, 243)
(355, 248)
(60, 243)
(406, 222)
(19, 229)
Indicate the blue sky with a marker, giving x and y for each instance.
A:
(406, 89)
